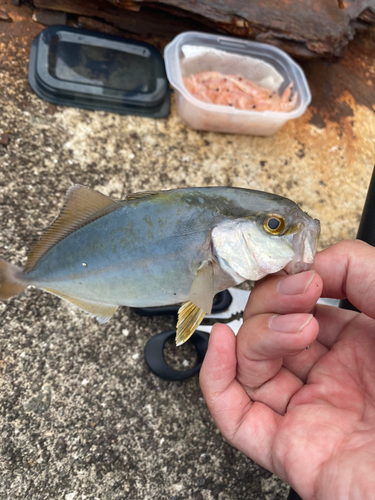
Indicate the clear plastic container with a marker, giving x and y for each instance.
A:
(193, 52)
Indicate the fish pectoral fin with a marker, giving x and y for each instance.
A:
(102, 312)
(189, 318)
(202, 290)
(201, 296)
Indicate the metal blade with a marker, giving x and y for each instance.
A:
(240, 298)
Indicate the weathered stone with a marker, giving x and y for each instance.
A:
(40, 403)
(5, 17)
(49, 17)
(93, 24)
(4, 139)
(148, 21)
(306, 29)
(60, 447)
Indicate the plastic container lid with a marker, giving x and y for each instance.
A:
(91, 70)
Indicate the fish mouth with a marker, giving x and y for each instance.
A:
(304, 244)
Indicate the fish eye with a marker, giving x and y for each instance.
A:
(274, 224)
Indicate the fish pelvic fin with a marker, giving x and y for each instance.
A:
(81, 206)
(189, 318)
(102, 312)
(191, 314)
(10, 283)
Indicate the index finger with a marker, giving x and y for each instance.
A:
(348, 271)
(249, 426)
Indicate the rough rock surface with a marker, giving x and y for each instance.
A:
(304, 28)
(81, 415)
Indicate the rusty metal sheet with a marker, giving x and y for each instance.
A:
(304, 28)
(336, 88)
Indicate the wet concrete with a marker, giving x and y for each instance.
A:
(81, 415)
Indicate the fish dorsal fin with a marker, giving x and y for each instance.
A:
(102, 312)
(143, 194)
(81, 206)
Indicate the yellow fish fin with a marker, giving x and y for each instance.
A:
(81, 206)
(189, 318)
(102, 312)
(201, 295)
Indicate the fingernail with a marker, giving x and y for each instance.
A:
(290, 323)
(295, 283)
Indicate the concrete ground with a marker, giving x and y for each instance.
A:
(82, 417)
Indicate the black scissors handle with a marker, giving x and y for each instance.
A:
(154, 355)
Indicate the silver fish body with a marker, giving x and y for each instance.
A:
(167, 247)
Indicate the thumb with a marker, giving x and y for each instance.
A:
(348, 272)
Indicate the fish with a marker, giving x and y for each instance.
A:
(235, 90)
(157, 248)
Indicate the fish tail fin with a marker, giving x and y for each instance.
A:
(10, 281)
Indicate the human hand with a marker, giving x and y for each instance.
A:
(306, 415)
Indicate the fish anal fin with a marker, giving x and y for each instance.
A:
(81, 206)
(142, 194)
(189, 318)
(202, 290)
(102, 312)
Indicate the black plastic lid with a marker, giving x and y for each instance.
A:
(92, 70)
